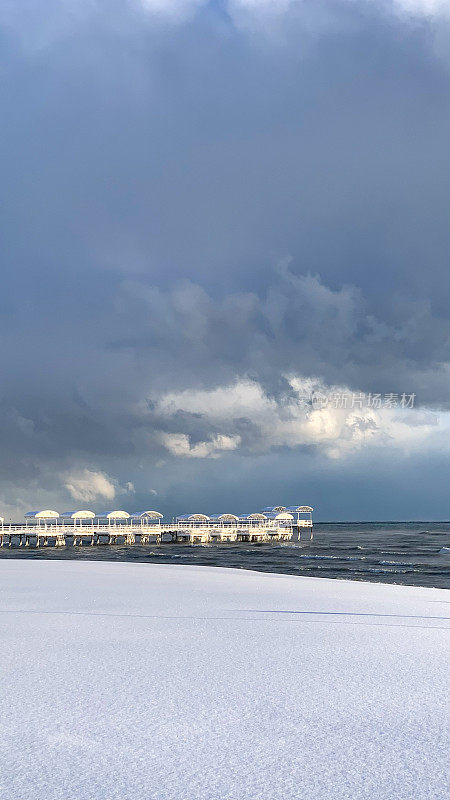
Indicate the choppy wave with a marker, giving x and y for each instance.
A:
(315, 556)
(391, 553)
(367, 571)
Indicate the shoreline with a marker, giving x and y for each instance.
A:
(41, 558)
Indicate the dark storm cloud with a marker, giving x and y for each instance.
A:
(193, 199)
(297, 324)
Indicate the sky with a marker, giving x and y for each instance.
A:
(225, 256)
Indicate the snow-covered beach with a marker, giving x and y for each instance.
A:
(167, 682)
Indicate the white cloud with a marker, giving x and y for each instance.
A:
(178, 444)
(292, 422)
(87, 485)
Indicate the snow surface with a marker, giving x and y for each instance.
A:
(140, 681)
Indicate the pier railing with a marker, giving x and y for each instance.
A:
(35, 534)
(65, 527)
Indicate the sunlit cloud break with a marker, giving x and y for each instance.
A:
(243, 417)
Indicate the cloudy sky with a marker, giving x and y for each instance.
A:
(225, 256)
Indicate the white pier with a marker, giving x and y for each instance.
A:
(78, 528)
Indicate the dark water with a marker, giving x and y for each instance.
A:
(411, 553)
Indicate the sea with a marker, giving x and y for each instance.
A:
(409, 553)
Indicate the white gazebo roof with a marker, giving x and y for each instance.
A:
(47, 514)
(150, 514)
(118, 515)
(79, 514)
(282, 515)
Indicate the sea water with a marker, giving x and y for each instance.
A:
(410, 553)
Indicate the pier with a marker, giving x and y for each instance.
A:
(87, 528)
